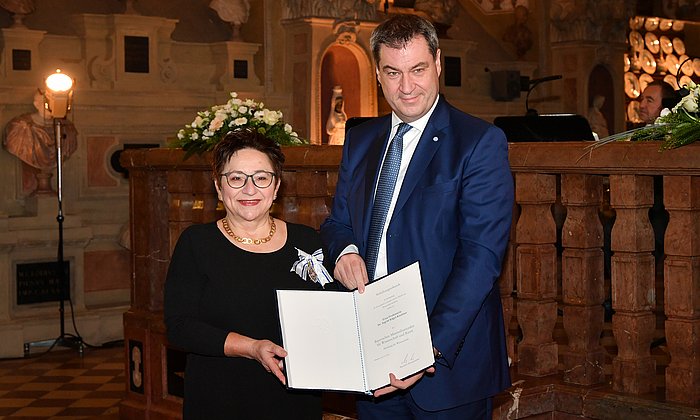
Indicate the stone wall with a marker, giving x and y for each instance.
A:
(114, 107)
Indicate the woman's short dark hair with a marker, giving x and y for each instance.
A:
(246, 139)
(399, 30)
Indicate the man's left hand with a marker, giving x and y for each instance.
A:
(396, 384)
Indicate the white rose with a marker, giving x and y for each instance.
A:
(270, 117)
(195, 136)
(236, 102)
(240, 121)
(234, 94)
(242, 109)
(689, 103)
(287, 128)
(216, 124)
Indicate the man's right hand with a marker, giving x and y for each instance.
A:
(350, 270)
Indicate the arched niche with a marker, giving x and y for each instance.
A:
(344, 63)
(339, 67)
(600, 82)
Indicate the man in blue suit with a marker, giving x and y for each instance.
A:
(447, 204)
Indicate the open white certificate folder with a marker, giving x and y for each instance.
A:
(347, 341)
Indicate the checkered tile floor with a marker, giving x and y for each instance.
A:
(62, 385)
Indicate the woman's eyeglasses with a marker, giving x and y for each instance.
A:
(237, 179)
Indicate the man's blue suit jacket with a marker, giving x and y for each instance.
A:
(453, 214)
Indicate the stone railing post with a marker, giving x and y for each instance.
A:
(632, 242)
(682, 288)
(536, 267)
(582, 279)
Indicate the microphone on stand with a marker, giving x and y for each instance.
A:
(534, 82)
(545, 79)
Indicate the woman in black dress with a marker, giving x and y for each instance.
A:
(220, 304)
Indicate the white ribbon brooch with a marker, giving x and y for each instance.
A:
(310, 266)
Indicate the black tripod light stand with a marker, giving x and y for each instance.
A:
(59, 92)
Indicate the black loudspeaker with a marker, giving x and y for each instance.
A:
(505, 85)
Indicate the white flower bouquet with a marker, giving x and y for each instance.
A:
(210, 126)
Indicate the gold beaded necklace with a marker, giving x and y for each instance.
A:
(250, 241)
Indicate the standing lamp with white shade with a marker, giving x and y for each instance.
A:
(58, 102)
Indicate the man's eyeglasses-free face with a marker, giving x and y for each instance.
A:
(237, 179)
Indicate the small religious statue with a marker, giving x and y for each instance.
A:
(31, 137)
(335, 126)
(596, 119)
(19, 9)
(235, 12)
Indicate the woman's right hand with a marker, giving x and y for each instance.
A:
(270, 356)
(267, 353)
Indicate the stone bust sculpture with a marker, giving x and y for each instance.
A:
(19, 9)
(32, 139)
(235, 12)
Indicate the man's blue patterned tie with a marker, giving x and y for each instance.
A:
(382, 199)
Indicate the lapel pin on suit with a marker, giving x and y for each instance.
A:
(435, 138)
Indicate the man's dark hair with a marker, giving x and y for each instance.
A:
(669, 96)
(399, 30)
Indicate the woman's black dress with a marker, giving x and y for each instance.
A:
(214, 287)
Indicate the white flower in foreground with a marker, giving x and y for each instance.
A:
(689, 103)
(197, 122)
(240, 121)
(216, 124)
(287, 128)
(270, 117)
(242, 109)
